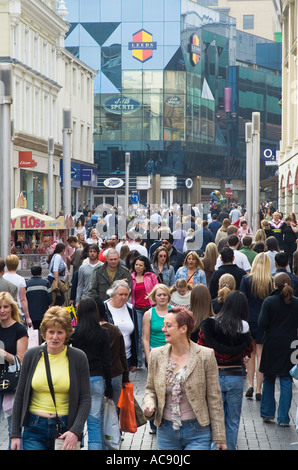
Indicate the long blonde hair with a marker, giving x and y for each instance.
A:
(226, 285)
(200, 304)
(210, 256)
(262, 283)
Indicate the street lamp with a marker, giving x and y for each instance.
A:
(127, 165)
(5, 158)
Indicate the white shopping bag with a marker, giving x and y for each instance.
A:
(111, 428)
(33, 337)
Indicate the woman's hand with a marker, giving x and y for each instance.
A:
(149, 411)
(221, 446)
(15, 443)
(70, 440)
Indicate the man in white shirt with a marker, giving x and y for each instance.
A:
(235, 214)
(239, 258)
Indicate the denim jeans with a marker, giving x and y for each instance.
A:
(95, 418)
(232, 393)
(191, 436)
(39, 432)
(117, 387)
(268, 404)
(140, 315)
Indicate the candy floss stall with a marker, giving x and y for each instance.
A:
(33, 237)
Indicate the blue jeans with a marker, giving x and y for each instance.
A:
(39, 432)
(232, 393)
(95, 418)
(268, 405)
(117, 387)
(140, 315)
(191, 436)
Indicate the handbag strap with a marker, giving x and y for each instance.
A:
(49, 377)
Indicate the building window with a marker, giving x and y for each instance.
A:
(248, 21)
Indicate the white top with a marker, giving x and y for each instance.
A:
(240, 259)
(123, 320)
(18, 281)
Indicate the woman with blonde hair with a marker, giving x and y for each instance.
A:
(260, 236)
(209, 260)
(256, 286)
(13, 345)
(201, 307)
(226, 285)
(192, 270)
(222, 231)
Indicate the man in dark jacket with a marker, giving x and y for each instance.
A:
(39, 296)
(228, 266)
(103, 276)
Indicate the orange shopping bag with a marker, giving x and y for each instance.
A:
(127, 415)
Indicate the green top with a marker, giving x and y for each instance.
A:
(157, 336)
(249, 253)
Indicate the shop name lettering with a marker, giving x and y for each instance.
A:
(142, 45)
(123, 104)
(28, 222)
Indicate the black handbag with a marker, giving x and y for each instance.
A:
(9, 380)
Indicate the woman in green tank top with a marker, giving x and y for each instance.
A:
(153, 319)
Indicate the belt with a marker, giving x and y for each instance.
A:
(230, 371)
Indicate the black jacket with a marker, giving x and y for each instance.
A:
(280, 322)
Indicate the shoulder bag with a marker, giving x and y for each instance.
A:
(58, 442)
(9, 377)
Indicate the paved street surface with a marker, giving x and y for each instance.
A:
(254, 434)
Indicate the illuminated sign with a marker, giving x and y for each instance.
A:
(194, 49)
(142, 45)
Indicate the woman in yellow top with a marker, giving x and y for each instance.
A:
(34, 409)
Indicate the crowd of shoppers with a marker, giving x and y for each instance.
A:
(208, 313)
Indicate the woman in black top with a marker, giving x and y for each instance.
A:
(91, 338)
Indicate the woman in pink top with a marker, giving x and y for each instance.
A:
(143, 281)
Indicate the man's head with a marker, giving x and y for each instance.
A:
(168, 241)
(93, 252)
(276, 216)
(247, 241)
(281, 260)
(233, 241)
(36, 270)
(227, 255)
(73, 241)
(112, 259)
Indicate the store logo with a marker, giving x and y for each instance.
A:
(26, 160)
(122, 105)
(142, 45)
(194, 49)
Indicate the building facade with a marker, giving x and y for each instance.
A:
(176, 84)
(288, 161)
(249, 15)
(32, 43)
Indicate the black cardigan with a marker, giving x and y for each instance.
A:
(79, 392)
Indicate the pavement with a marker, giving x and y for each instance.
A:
(254, 434)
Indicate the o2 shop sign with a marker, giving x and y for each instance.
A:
(28, 222)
